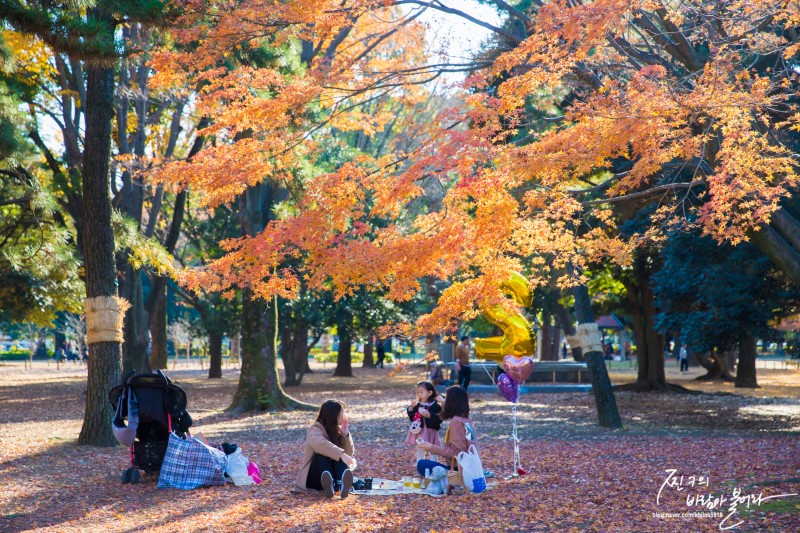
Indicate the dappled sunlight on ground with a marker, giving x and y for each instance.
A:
(582, 477)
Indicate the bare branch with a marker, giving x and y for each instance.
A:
(514, 12)
(435, 4)
(641, 194)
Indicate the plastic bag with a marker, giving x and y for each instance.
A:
(469, 463)
(237, 469)
(252, 470)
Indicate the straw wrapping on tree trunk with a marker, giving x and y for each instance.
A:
(105, 317)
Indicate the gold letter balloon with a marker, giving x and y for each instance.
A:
(518, 339)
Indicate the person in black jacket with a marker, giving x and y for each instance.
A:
(381, 353)
(423, 412)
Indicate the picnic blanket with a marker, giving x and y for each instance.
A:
(389, 487)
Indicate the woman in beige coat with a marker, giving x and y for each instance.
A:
(329, 459)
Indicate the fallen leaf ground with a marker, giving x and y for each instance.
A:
(582, 477)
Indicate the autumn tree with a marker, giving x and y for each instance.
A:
(666, 103)
(86, 35)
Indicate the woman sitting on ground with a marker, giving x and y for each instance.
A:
(329, 458)
(459, 436)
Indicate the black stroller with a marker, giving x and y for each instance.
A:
(153, 406)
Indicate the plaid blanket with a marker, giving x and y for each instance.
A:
(189, 464)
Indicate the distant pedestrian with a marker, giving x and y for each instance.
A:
(683, 357)
(381, 353)
(462, 363)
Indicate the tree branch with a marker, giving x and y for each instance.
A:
(641, 194)
(437, 5)
(514, 12)
(52, 162)
(687, 50)
(690, 60)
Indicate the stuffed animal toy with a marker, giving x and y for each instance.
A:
(438, 483)
(416, 424)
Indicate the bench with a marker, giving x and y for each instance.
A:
(547, 376)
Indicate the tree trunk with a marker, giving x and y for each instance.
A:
(640, 303)
(607, 411)
(716, 364)
(158, 335)
(569, 329)
(344, 328)
(250, 393)
(259, 386)
(105, 362)
(550, 349)
(300, 349)
(215, 355)
(551, 338)
(649, 343)
(287, 347)
(547, 332)
(368, 361)
(775, 246)
(134, 349)
(235, 352)
(746, 368)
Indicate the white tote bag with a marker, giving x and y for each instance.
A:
(469, 463)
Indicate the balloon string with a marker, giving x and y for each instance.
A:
(514, 437)
(490, 376)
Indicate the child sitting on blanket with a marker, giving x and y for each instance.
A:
(424, 415)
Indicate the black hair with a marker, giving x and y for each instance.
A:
(429, 387)
(329, 418)
(456, 403)
(464, 338)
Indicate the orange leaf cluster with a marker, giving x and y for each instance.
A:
(689, 121)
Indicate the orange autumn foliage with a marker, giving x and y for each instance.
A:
(670, 89)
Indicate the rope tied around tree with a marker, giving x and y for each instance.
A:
(588, 337)
(105, 318)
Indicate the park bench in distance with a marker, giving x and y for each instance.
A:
(547, 376)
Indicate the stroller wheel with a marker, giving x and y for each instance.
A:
(134, 476)
(126, 475)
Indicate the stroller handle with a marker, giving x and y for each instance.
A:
(128, 376)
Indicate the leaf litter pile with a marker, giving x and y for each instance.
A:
(581, 477)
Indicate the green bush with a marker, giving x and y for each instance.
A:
(356, 357)
(14, 355)
(325, 357)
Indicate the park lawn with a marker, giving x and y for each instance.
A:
(582, 477)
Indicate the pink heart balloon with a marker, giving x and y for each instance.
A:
(519, 368)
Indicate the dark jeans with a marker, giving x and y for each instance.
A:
(684, 364)
(320, 464)
(427, 464)
(465, 376)
(381, 357)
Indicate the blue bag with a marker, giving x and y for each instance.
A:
(189, 464)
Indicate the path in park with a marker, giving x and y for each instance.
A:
(582, 478)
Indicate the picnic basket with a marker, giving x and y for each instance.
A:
(454, 477)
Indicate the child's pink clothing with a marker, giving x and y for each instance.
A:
(428, 433)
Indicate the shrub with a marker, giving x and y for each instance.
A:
(14, 355)
(356, 357)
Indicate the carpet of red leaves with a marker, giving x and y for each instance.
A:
(582, 477)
